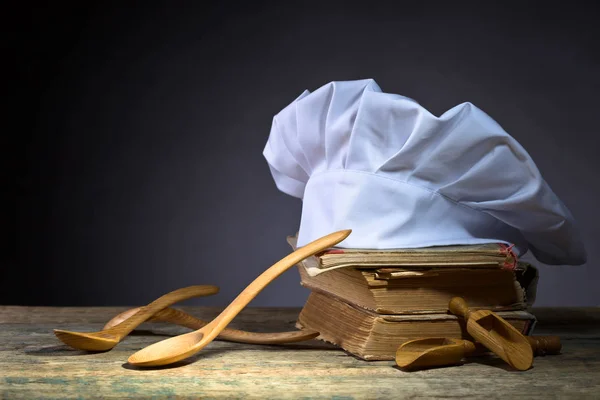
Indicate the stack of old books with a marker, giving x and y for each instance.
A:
(370, 302)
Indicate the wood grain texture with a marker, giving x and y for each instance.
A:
(432, 352)
(178, 348)
(495, 333)
(34, 364)
(178, 317)
(106, 339)
(439, 352)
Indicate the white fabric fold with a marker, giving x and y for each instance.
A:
(400, 177)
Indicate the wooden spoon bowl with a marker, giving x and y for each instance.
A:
(180, 347)
(109, 338)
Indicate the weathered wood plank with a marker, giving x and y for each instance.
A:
(34, 364)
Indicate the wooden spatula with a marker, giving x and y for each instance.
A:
(495, 333)
(180, 347)
(439, 352)
(108, 338)
(179, 317)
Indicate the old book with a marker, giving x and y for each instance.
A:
(492, 255)
(421, 290)
(373, 336)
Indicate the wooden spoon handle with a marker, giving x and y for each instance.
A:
(179, 317)
(246, 296)
(543, 345)
(180, 347)
(146, 312)
(458, 306)
(473, 348)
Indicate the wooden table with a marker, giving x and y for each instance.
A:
(34, 364)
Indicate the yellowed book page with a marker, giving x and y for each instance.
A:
(477, 256)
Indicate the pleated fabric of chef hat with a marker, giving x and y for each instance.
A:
(400, 177)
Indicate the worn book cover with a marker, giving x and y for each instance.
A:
(373, 336)
(492, 255)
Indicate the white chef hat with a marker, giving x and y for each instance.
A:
(400, 177)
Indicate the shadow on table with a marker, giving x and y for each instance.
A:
(60, 349)
(490, 361)
(56, 350)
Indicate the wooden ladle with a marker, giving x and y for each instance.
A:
(439, 352)
(495, 333)
(178, 317)
(106, 339)
(180, 347)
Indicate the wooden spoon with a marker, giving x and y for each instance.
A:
(108, 338)
(180, 347)
(495, 333)
(178, 317)
(439, 352)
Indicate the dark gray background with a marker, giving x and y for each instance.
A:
(131, 154)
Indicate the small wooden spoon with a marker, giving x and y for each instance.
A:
(178, 317)
(439, 352)
(180, 347)
(495, 333)
(108, 338)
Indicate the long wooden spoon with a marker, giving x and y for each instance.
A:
(178, 317)
(180, 347)
(439, 352)
(109, 338)
(495, 333)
